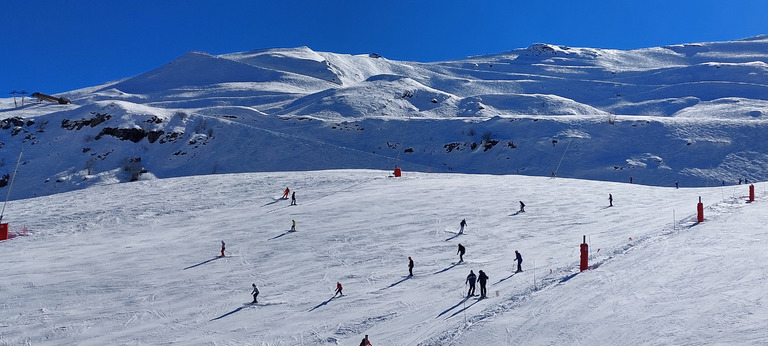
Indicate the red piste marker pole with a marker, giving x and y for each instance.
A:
(700, 211)
(584, 264)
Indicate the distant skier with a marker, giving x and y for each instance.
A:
(630, 180)
(519, 260)
(482, 278)
(338, 289)
(522, 207)
(462, 224)
(461, 253)
(739, 181)
(610, 200)
(293, 225)
(410, 266)
(293, 198)
(223, 246)
(471, 281)
(255, 293)
(677, 184)
(285, 193)
(365, 342)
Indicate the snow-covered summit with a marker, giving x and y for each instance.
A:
(692, 107)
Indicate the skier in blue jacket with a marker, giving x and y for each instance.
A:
(471, 281)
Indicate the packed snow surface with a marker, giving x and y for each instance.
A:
(138, 263)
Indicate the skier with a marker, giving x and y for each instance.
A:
(293, 198)
(461, 253)
(365, 342)
(519, 260)
(630, 180)
(471, 280)
(462, 224)
(482, 278)
(255, 293)
(610, 200)
(677, 184)
(410, 266)
(223, 246)
(522, 207)
(293, 225)
(338, 290)
(285, 193)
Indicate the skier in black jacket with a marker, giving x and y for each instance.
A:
(255, 293)
(410, 266)
(471, 280)
(461, 253)
(482, 278)
(519, 260)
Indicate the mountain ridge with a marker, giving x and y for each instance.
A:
(695, 107)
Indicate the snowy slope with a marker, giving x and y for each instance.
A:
(137, 263)
(690, 113)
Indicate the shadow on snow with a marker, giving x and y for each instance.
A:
(465, 308)
(275, 201)
(451, 238)
(565, 279)
(506, 278)
(281, 235)
(448, 268)
(399, 282)
(453, 307)
(231, 312)
(322, 304)
(204, 262)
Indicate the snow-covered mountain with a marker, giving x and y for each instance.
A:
(691, 113)
(138, 263)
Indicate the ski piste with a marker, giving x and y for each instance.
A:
(224, 291)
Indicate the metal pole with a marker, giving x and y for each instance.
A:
(562, 157)
(674, 221)
(402, 141)
(10, 185)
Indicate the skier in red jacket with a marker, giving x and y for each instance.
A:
(338, 290)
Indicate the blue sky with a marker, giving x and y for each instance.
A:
(55, 46)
